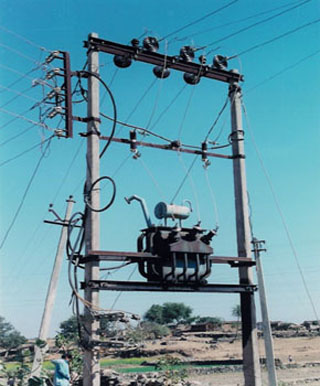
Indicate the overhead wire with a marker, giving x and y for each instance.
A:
(213, 198)
(26, 151)
(199, 19)
(278, 37)
(19, 116)
(254, 16)
(17, 135)
(284, 70)
(281, 214)
(23, 38)
(17, 212)
(19, 53)
(255, 24)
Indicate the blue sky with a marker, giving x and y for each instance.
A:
(284, 118)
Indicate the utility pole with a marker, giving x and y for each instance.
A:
(91, 370)
(52, 291)
(267, 333)
(251, 362)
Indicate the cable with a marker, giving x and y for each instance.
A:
(275, 38)
(19, 53)
(87, 194)
(26, 151)
(234, 22)
(213, 198)
(199, 20)
(24, 39)
(170, 104)
(67, 171)
(84, 72)
(290, 67)
(283, 220)
(18, 116)
(217, 118)
(155, 182)
(194, 191)
(137, 128)
(184, 179)
(17, 135)
(256, 24)
(24, 195)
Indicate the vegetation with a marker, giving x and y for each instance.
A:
(168, 313)
(172, 370)
(9, 336)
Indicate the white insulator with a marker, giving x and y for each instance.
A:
(52, 56)
(56, 110)
(163, 210)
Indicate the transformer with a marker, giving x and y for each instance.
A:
(182, 255)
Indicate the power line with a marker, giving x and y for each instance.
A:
(235, 22)
(19, 53)
(31, 43)
(199, 20)
(18, 94)
(17, 135)
(25, 151)
(283, 220)
(25, 194)
(255, 24)
(217, 118)
(275, 38)
(18, 116)
(284, 70)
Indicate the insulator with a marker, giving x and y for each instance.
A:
(52, 56)
(204, 149)
(133, 141)
(150, 44)
(191, 78)
(122, 61)
(59, 133)
(56, 110)
(187, 53)
(161, 72)
(52, 73)
(55, 91)
(209, 236)
(220, 62)
(135, 42)
(202, 59)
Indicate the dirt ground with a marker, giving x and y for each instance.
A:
(300, 351)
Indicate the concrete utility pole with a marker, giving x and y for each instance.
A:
(52, 291)
(91, 370)
(267, 333)
(251, 363)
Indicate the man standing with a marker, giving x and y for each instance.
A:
(62, 372)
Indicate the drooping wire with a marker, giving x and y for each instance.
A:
(193, 187)
(269, 18)
(184, 179)
(154, 180)
(17, 135)
(281, 214)
(235, 21)
(170, 104)
(217, 119)
(31, 43)
(21, 116)
(199, 20)
(213, 198)
(278, 37)
(14, 219)
(27, 151)
(84, 72)
(284, 70)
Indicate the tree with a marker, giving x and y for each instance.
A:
(209, 319)
(9, 336)
(168, 313)
(154, 314)
(236, 312)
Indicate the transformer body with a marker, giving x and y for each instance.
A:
(181, 254)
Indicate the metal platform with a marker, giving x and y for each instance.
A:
(111, 285)
(136, 257)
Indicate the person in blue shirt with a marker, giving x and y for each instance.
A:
(62, 372)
